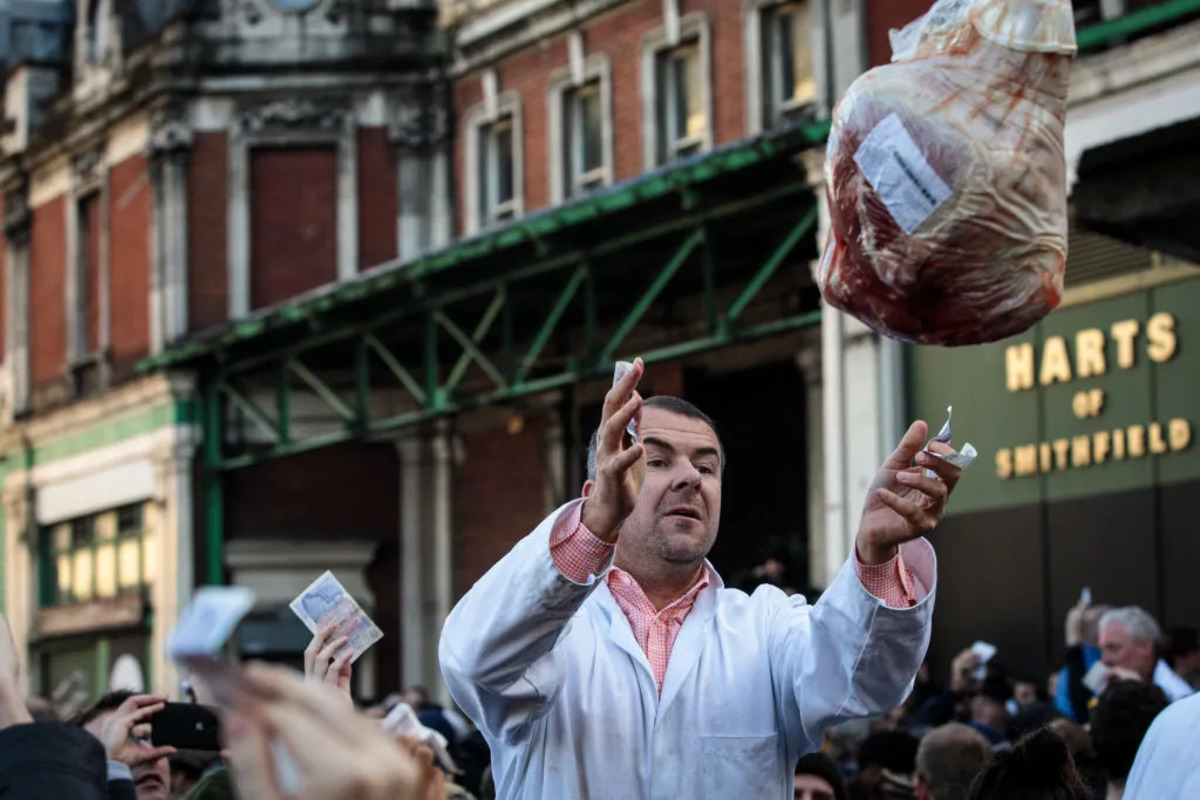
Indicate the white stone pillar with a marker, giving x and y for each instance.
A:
(412, 572)
(442, 565)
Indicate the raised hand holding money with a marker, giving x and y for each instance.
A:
(326, 604)
(610, 499)
(327, 660)
(905, 503)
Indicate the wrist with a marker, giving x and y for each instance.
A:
(871, 554)
(599, 528)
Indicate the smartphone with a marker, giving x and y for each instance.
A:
(986, 653)
(186, 726)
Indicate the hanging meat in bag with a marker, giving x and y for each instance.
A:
(946, 176)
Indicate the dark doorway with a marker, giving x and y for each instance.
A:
(760, 413)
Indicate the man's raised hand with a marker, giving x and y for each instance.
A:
(619, 468)
(904, 502)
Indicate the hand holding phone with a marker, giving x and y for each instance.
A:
(186, 727)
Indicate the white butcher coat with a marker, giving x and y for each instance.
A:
(1167, 766)
(550, 672)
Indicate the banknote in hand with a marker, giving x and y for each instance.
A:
(326, 603)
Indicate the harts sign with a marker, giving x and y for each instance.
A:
(1023, 371)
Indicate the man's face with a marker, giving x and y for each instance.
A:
(678, 511)
(152, 781)
(1025, 693)
(1119, 649)
(813, 787)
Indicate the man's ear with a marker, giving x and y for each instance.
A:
(588, 486)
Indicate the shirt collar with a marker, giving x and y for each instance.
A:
(708, 577)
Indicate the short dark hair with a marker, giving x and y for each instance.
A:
(663, 402)
(1119, 723)
(1180, 642)
(109, 702)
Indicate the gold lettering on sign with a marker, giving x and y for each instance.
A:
(1160, 330)
(1158, 445)
(1081, 451)
(1062, 449)
(1047, 456)
(1119, 445)
(1056, 365)
(1180, 434)
(1137, 441)
(1100, 447)
(1018, 365)
(1089, 353)
(1125, 333)
(1004, 464)
(1027, 460)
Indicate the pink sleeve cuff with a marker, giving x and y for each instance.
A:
(576, 551)
(891, 581)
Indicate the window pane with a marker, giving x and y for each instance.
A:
(106, 570)
(663, 93)
(484, 165)
(82, 532)
(130, 555)
(81, 575)
(593, 129)
(63, 568)
(681, 90)
(129, 519)
(504, 163)
(570, 158)
(804, 86)
(149, 559)
(62, 537)
(785, 47)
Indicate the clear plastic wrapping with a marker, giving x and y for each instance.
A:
(946, 176)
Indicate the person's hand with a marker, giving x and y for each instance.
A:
(13, 710)
(323, 663)
(619, 466)
(962, 671)
(333, 751)
(1075, 623)
(903, 502)
(1123, 674)
(432, 776)
(125, 732)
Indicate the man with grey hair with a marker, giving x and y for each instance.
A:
(948, 760)
(1129, 648)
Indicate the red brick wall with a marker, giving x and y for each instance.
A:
(47, 287)
(882, 16)
(619, 34)
(208, 227)
(377, 199)
(129, 263)
(90, 224)
(293, 221)
(498, 498)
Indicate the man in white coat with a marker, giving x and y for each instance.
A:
(603, 657)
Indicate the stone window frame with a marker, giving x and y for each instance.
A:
(89, 174)
(597, 68)
(286, 123)
(695, 25)
(477, 119)
(756, 80)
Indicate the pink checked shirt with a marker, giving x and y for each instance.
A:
(579, 554)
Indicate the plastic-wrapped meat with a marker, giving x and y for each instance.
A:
(946, 176)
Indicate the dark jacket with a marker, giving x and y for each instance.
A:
(55, 760)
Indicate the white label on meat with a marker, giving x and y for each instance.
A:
(898, 172)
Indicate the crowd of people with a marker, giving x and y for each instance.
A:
(603, 658)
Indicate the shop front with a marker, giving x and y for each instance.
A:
(1088, 472)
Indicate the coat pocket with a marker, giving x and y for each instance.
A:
(743, 767)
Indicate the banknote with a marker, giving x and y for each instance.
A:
(403, 721)
(205, 625)
(326, 602)
(621, 370)
(959, 458)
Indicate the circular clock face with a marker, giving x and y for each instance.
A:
(296, 5)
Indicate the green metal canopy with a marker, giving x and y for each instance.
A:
(679, 261)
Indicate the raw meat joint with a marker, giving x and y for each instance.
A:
(946, 176)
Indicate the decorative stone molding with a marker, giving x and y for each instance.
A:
(419, 122)
(170, 132)
(86, 167)
(294, 115)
